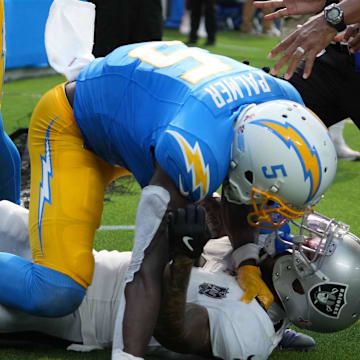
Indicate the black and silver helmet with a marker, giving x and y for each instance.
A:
(318, 280)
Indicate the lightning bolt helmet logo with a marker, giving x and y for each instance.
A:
(307, 154)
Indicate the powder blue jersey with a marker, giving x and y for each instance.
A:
(167, 102)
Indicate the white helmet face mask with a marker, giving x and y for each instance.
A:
(318, 281)
(282, 154)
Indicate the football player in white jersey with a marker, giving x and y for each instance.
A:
(200, 314)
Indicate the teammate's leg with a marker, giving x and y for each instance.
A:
(343, 150)
(9, 156)
(67, 190)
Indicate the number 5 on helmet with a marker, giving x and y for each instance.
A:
(283, 160)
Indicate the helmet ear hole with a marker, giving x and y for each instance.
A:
(297, 287)
(249, 176)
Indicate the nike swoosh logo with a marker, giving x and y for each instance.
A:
(186, 240)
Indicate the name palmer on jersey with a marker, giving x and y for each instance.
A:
(233, 88)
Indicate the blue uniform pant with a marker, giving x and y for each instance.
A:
(36, 289)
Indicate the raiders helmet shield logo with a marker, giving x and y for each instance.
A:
(213, 291)
(328, 298)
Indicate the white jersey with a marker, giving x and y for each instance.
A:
(99, 307)
(238, 330)
(14, 223)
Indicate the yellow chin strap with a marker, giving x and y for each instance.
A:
(261, 216)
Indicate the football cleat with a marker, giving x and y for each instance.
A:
(296, 341)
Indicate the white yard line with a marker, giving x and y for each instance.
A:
(116, 227)
(238, 47)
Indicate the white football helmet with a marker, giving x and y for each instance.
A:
(283, 160)
(318, 280)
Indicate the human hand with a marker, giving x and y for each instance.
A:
(188, 231)
(290, 7)
(352, 36)
(249, 279)
(306, 42)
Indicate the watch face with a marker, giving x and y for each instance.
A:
(333, 15)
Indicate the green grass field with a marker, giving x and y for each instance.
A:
(340, 202)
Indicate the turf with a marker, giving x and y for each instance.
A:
(340, 201)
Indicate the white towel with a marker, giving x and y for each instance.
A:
(69, 36)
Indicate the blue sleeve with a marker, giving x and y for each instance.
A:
(189, 162)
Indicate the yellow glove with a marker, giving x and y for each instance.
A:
(249, 279)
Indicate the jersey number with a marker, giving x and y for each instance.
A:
(209, 65)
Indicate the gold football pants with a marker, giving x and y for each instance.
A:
(67, 190)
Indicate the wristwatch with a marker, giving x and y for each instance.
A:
(334, 16)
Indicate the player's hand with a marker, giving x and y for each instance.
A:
(249, 279)
(305, 43)
(351, 35)
(188, 231)
(290, 7)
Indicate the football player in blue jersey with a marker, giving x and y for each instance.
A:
(10, 177)
(183, 122)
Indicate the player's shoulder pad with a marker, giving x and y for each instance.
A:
(190, 163)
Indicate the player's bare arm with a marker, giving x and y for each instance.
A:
(290, 7)
(245, 255)
(311, 38)
(182, 327)
(238, 229)
(161, 178)
(143, 294)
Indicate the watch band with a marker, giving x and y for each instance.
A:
(329, 2)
